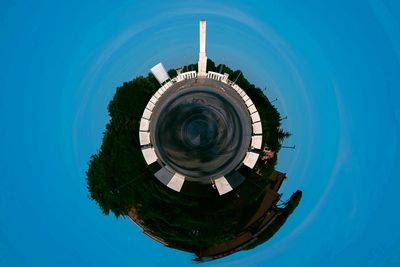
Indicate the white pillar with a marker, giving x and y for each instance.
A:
(202, 64)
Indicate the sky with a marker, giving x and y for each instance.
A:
(333, 65)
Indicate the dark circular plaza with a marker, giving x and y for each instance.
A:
(200, 130)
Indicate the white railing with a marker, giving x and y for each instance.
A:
(167, 85)
(215, 76)
(186, 76)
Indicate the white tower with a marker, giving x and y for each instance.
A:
(202, 64)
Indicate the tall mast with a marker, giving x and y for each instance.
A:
(202, 64)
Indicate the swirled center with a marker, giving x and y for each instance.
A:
(200, 133)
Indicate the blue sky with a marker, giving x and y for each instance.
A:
(333, 65)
